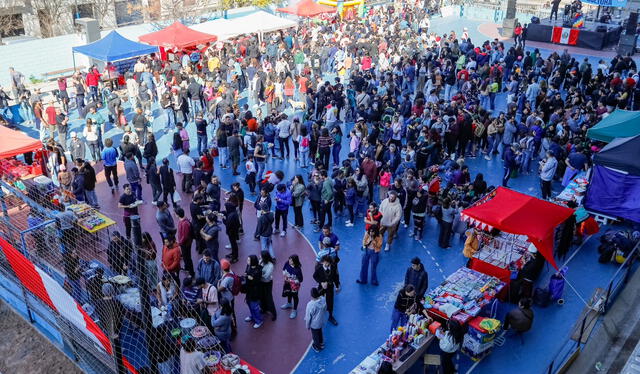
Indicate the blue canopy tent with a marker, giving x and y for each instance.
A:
(114, 47)
(614, 189)
(621, 123)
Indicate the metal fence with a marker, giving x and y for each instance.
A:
(571, 348)
(32, 230)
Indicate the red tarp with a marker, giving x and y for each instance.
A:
(16, 142)
(307, 8)
(177, 36)
(520, 214)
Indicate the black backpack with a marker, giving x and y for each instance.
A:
(541, 297)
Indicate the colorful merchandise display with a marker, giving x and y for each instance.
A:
(15, 169)
(479, 340)
(90, 219)
(574, 191)
(505, 250)
(462, 295)
(404, 343)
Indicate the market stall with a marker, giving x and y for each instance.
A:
(15, 143)
(114, 47)
(404, 347)
(222, 28)
(90, 219)
(177, 37)
(520, 214)
(501, 256)
(574, 191)
(462, 295)
(614, 188)
(619, 123)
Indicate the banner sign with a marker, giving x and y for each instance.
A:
(611, 3)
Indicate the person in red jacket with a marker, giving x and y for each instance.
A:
(171, 258)
(92, 81)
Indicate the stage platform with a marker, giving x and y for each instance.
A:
(589, 37)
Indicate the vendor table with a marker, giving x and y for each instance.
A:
(370, 364)
(462, 295)
(402, 366)
(501, 255)
(220, 370)
(575, 190)
(89, 219)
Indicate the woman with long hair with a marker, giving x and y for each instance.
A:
(450, 342)
(90, 134)
(293, 278)
(298, 192)
(266, 283)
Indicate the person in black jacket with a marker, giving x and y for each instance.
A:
(153, 179)
(418, 208)
(168, 181)
(406, 303)
(264, 229)
(119, 253)
(150, 148)
(417, 277)
(326, 274)
(253, 275)
(231, 221)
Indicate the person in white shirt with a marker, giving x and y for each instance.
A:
(284, 131)
(132, 91)
(185, 167)
(90, 134)
(391, 214)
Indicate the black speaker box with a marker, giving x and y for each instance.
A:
(627, 44)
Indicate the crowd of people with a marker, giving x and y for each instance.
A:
(421, 103)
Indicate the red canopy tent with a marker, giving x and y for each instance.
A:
(307, 8)
(519, 214)
(177, 36)
(16, 142)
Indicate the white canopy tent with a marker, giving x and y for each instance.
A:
(261, 22)
(221, 27)
(256, 23)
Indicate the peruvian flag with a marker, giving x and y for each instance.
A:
(56, 297)
(565, 35)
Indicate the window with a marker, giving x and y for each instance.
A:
(84, 11)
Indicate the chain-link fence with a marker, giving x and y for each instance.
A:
(104, 295)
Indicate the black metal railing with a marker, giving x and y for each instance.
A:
(571, 349)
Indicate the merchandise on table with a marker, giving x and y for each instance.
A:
(401, 343)
(574, 191)
(478, 342)
(463, 295)
(89, 218)
(17, 169)
(504, 251)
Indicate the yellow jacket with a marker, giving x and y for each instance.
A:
(471, 245)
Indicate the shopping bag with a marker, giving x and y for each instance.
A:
(176, 197)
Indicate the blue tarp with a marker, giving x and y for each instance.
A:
(114, 47)
(614, 193)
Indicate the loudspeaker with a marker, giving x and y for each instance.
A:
(567, 10)
(568, 24)
(632, 23)
(535, 20)
(627, 44)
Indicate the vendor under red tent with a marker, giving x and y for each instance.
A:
(307, 8)
(520, 214)
(177, 37)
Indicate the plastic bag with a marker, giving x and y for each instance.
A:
(556, 284)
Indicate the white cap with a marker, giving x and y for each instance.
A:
(73, 134)
(532, 248)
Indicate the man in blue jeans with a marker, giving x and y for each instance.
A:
(133, 175)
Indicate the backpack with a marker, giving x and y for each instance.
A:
(541, 297)
(237, 283)
(305, 141)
